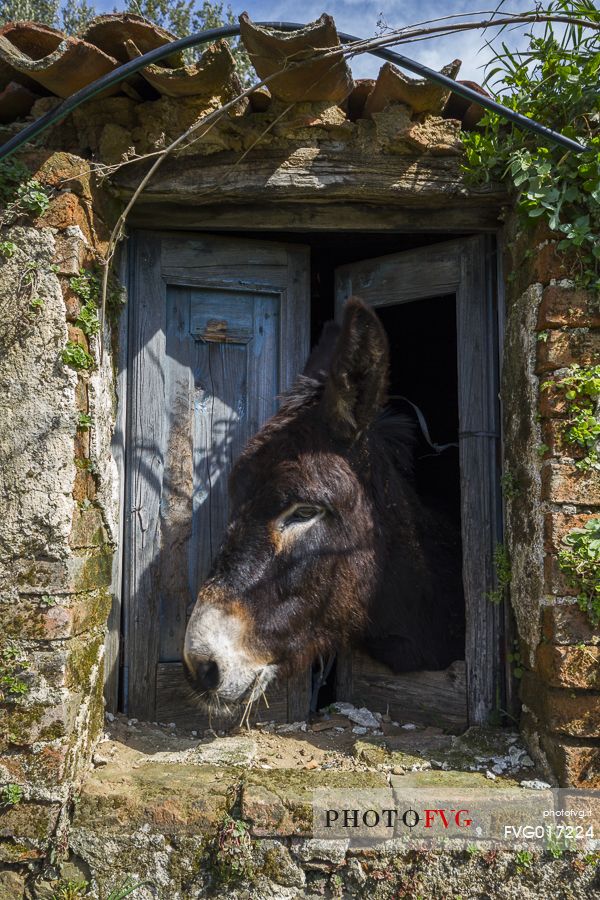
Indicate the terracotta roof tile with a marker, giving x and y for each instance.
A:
(213, 75)
(61, 64)
(270, 51)
(36, 60)
(422, 96)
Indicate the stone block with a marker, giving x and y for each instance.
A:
(575, 763)
(12, 884)
(562, 483)
(28, 821)
(568, 348)
(49, 618)
(69, 251)
(88, 528)
(24, 725)
(67, 210)
(181, 799)
(559, 524)
(44, 764)
(552, 398)
(555, 581)
(278, 803)
(568, 306)
(562, 711)
(566, 623)
(568, 666)
(548, 264)
(86, 571)
(553, 435)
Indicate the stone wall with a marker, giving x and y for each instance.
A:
(59, 510)
(551, 326)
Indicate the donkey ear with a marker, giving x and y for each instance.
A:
(319, 361)
(355, 389)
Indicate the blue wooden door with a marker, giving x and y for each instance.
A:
(219, 328)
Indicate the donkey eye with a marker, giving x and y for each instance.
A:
(303, 513)
(300, 514)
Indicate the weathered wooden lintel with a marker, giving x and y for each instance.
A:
(313, 189)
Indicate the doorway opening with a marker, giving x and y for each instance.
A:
(436, 299)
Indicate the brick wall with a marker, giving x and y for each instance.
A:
(57, 529)
(551, 326)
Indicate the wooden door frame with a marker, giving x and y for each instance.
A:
(482, 697)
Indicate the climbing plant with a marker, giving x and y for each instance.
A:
(555, 81)
(580, 562)
(581, 428)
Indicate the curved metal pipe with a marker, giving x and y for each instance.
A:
(213, 34)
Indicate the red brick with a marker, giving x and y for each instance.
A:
(559, 524)
(575, 763)
(566, 623)
(567, 348)
(568, 306)
(573, 667)
(560, 710)
(563, 483)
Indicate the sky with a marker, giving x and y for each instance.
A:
(361, 18)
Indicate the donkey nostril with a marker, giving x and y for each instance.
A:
(207, 674)
(204, 674)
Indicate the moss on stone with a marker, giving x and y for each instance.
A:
(81, 661)
(96, 571)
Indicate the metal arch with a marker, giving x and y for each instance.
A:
(122, 72)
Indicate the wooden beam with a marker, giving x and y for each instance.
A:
(309, 175)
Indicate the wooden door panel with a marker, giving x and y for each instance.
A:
(212, 320)
(464, 268)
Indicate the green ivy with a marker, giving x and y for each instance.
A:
(76, 356)
(554, 81)
(32, 197)
(11, 795)
(12, 665)
(12, 174)
(580, 562)
(581, 389)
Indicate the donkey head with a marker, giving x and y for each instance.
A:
(298, 561)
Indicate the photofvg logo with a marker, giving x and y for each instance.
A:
(502, 813)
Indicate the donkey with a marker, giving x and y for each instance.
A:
(328, 543)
